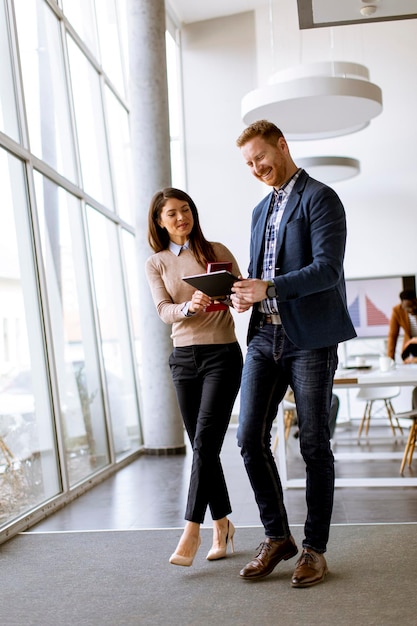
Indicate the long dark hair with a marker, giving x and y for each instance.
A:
(158, 237)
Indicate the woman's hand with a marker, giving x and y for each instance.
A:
(199, 302)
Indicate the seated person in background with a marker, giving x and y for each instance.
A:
(403, 316)
(409, 355)
(334, 409)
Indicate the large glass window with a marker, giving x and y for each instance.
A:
(45, 86)
(28, 458)
(8, 110)
(69, 405)
(82, 16)
(114, 330)
(175, 107)
(91, 133)
(121, 158)
(130, 259)
(110, 49)
(72, 325)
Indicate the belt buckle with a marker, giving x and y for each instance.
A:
(275, 319)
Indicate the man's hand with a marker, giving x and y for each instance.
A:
(239, 305)
(248, 291)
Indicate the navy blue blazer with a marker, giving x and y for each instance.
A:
(309, 276)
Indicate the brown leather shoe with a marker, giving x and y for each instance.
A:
(270, 553)
(310, 569)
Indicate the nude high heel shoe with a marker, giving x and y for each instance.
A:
(186, 561)
(220, 553)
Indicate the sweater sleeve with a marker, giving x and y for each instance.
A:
(168, 310)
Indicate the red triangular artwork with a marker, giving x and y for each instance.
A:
(374, 316)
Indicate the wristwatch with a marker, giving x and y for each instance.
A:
(271, 292)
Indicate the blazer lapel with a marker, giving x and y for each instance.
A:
(291, 206)
(259, 240)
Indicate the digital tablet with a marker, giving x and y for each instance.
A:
(217, 285)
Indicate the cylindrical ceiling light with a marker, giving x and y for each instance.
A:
(316, 101)
(368, 10)
(329, 169)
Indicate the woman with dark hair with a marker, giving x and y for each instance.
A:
(206, 362)
(403, 318)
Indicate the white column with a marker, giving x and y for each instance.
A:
(162, 424)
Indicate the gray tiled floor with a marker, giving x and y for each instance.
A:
(151, 493)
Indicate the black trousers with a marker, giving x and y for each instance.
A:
(207, 380)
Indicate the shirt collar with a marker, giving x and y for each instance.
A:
(287, 187)
(176, 248)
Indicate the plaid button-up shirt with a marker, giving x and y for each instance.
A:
(270, 305)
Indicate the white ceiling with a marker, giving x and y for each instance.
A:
(188, 11)
(313, 13)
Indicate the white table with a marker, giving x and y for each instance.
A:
(400, 375)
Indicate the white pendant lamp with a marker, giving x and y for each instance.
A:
(329, 169)
(316, 101)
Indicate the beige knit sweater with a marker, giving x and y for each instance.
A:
(164, 271)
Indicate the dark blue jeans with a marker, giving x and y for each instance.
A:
(206, 380)
(272, 363)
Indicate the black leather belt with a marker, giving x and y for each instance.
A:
(274, 319)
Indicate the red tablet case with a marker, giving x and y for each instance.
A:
(215, 267)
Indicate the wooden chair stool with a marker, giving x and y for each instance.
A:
(290, 416)
(412, 437)
(374, 394)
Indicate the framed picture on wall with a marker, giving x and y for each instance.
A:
(370, 302)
